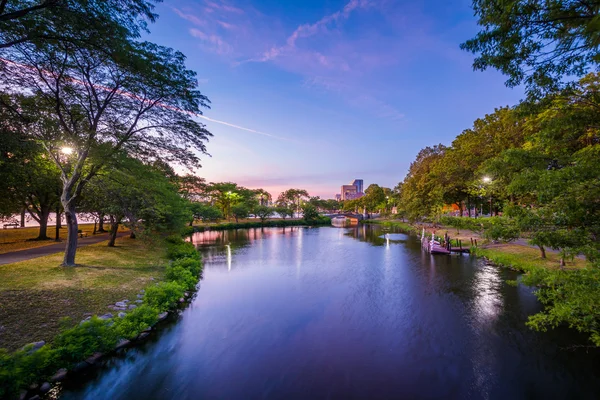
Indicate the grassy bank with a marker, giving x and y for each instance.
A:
(257, 224)
(403, 226)
(525, 259)
(23, 238)
(37, 294)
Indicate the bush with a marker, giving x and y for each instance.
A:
(136, 321)
(83, 340)
(182, 276)
(9, 379)
(23, 368)
(182, 250)
(191, 264)
(499, 228)
(164, 295)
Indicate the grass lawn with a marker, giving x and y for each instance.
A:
(525, 258)
(36, 294)
(21, 238)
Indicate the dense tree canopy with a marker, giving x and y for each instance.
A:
(85, 102)
(538, 42)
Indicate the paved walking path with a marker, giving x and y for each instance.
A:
(28, 254)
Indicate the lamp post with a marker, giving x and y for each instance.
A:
(487, 180)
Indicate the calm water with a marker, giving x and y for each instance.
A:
(330, 313)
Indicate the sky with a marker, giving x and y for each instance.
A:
(313, 94)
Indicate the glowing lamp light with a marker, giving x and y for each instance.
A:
(67, 150)
(487, 179)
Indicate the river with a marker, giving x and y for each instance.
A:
(342, 313)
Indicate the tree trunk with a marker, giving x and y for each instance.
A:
(114, 229)
(23, 218)
(94, 231)
(43, 221)
(132, 235)
(72, 234)
(542, 251)
(101, 223)
(57, 227)
(562, 262)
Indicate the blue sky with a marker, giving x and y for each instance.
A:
(330, 90)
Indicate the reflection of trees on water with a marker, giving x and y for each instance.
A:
(376, 234)
(214, 244)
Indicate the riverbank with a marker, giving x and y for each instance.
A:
(272, 223)
(515, 256)
(127, 286)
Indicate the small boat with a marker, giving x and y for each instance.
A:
(432, 245)
(436, 248)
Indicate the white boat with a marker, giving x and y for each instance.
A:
(432, 245)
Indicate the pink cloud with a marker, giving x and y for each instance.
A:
(214, 43)
(226, 25)
(223, 6)
(189, 17)
(308, 30)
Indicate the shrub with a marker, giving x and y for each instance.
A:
(31, 364)
(9, 380)
(499, 228)
(191, 264)
(164, 295)
(174, 239)
(136, 321)
(83, 340)
(182, 250)
(181, 275)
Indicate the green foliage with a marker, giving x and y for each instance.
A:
(83, 340)
(309, 213)
(240, 211)
(24, 367)
(284, 212)
(501, 228)
(206, 212)
(182, 250)
(515, 38)
(136, 321)
(164, 295)
(182, 276)
(472, 224)
(191, 264)
(570, 298)
(263, 212)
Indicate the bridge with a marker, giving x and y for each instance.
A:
(358, 217)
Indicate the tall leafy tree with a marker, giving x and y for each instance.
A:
(292, 198)
(136, 97)
(538, 42)
(82, 22)
(420, 194)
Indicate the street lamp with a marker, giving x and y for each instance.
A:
(487, 179)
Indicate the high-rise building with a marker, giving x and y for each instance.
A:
(359, 185)
(348, 191)
(352, 191)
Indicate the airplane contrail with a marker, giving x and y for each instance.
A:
(132, 95)
(242, 128)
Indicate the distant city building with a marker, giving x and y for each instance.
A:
(359, 185)
(338, 197)
(353, 191)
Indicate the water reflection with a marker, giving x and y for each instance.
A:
(357, 312)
